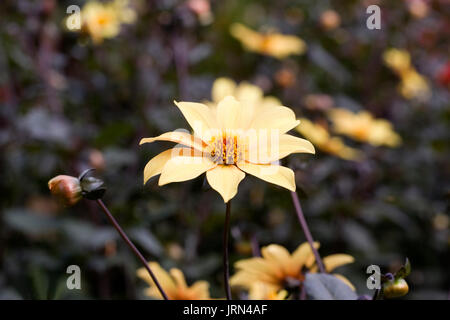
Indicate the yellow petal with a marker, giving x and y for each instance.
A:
(225, 180)
(302, 253)
(278, 255)
(163, 277)
(344, 279)
(184, 168)
(279, 119)
(200, 289)
(156, 164)
(200, 118)
(333, 261)
(279, 175)
(178, 276)
(229, 113)
(180, 137)
(222, 87)
(271, 148)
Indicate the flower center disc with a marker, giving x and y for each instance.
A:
(225, 150)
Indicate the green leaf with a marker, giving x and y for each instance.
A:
(404, 271)
(321, 286)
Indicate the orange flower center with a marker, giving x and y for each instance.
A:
(226, 150)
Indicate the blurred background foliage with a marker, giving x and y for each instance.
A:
(68, 104)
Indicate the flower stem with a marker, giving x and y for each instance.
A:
(306, 231)
(132, 246)
(226, 271)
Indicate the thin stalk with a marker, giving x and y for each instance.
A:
(226, 263)
(132, 246)
(306, 231)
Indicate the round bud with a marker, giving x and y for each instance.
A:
(396, 288)
(67, 189)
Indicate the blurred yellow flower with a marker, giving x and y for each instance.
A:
(230, 139)
(278, 269)
(362, 126)
(174, 284)
(412, 85)
(261, 291)
(273, 44)
(252, 96)
(103, 20)
(397, 59)
(320, 137)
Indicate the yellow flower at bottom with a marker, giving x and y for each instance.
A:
(173, 284)
(229, 140)
(261, 291)
(320, 137)
(362, 126)
(278, 269)
(273, 44)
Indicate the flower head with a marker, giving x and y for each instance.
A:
(362, 126)
(278, 269)
(261, 291)
(230, 139)
(273, 44)
(250, 95)
(174, 284)
(413, 84)
(320, 137)
(66, 188)
(103, 20)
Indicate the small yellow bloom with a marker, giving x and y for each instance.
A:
(103, 20)
(230, 139)
(277, 268)
(362, 126)
(261, 291)
(252, 96)
(174, 284)
(273, 44)
(397, 59)
(412, 85)
(320, 137)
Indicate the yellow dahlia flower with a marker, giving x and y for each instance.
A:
(261, 291)
(278, 269)
(247, 93)
(229, 140)
(273, 44)
(364, 127)
(412, 85)
(320, 137)
(174, 284)
(103, 20)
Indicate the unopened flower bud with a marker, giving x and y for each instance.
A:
(66, 188)
(396, 288)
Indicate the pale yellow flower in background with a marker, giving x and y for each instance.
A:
(277, 268)
(397, 59)
(230, 139)
(103, 20)
(271, 43)
(252, 96)
(320, 138)
(261, 291)
(412, 84)
(174, 284)
(362, 126)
